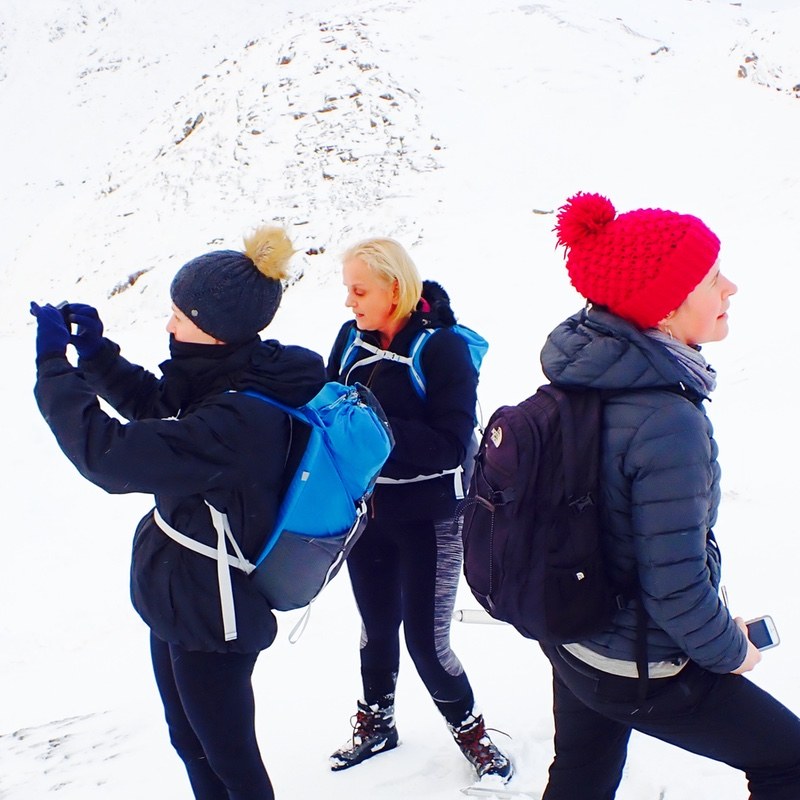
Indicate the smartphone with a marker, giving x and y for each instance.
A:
(762, 632)
(63, 307)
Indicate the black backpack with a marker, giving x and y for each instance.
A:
(531, 531)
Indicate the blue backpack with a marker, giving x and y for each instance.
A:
(323, 510)
(477, 346)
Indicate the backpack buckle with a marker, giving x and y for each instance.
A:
(582, 503)
(502, 497)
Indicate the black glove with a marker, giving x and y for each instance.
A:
(52, 333)
(88, 338)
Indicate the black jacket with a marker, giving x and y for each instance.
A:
(190, 439)
(660, 489)
(431, 434)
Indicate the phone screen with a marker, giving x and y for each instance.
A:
(759, 634)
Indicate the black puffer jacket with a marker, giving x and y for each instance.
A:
(191, 440)
(431, 434)
(660, 484)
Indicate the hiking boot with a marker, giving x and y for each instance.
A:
(374, 732)
(480, 750)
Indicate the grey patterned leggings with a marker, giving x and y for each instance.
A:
(408, 572)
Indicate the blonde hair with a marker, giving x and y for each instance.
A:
(390, 262)
(270, 249)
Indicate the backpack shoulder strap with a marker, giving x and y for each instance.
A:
(350, 349)
(582, 477)
(415, 354)
(580, 442)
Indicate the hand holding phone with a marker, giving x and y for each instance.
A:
(64, 308)
(762, 632)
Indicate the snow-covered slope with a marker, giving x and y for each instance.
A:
(138, 134)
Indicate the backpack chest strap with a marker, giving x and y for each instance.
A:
(220, 554)
(378, 354)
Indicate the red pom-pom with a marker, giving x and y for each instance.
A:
(581, 216)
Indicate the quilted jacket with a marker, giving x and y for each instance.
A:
(660, 490)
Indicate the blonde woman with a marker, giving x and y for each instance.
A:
(406, 566)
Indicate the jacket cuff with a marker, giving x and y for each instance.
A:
(55, 356)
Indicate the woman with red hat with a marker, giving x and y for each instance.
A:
(655, 294)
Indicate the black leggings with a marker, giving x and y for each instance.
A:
(210, 711)
(408, 572)
(724, 717)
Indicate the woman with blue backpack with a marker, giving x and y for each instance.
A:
(405, 346)
(195, 439)
(671, 662)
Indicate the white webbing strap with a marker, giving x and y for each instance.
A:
(456, 472)
(220, 554)
(300, 625)
(380, 355)
(388, 355)
(377, 354)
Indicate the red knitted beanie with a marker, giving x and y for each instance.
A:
(640, 265)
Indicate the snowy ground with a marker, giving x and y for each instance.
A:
(139, 134)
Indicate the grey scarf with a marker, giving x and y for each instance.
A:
(689, 358)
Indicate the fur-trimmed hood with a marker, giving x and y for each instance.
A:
(440, 312)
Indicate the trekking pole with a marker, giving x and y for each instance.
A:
(476, 616)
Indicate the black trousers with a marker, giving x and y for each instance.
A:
(210, 711)
(724, 717)
(408, 573)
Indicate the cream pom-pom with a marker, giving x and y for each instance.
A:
(270, 248)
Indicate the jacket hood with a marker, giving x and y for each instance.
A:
(289, 373)
(597, 349)
(440, 314)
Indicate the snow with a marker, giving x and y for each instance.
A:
(139, 134)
